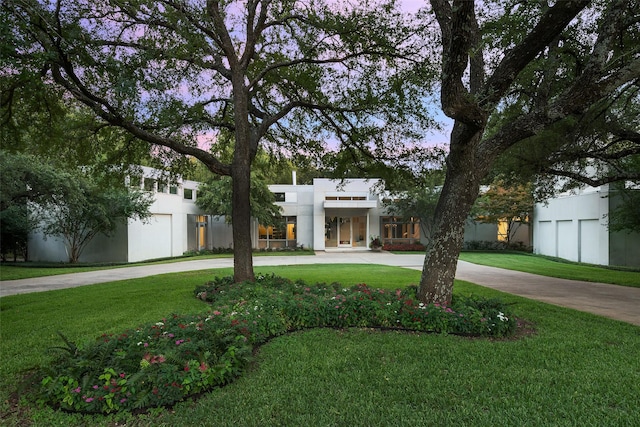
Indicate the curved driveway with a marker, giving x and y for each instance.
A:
(616, 302)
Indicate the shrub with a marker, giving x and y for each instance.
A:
(162, 363)
(154, 365)
(485, 245)
(417, 247)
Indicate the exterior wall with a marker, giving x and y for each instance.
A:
(298, 202)
(172, 228)
(100, 249)
(165, 234)
(169, 230)
(480, 232)
(369, 208)
(574, 227)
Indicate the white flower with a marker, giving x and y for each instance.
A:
(502, 317)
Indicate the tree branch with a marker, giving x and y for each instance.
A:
(546, 30)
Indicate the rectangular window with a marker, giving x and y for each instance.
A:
(149, 184)
(135, 181)
(173, 190)
(396, 230)
(162, 187)
(188, 193)
(280, 235)
(279, 197)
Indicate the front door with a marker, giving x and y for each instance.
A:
(345, 232)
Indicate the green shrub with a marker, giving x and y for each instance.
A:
(162, 363)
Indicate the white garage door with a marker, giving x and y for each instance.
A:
(589, 235)
(567, 241)
(546, 238)
(151, 239)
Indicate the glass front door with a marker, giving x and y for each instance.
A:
(345, 232)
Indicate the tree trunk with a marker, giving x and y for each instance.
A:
(243, 154)
(465, 170)
(241, 225)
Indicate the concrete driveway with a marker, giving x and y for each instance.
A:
(616, 302)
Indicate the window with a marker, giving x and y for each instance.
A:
(173, 190)
(135, 181)
(280, 235)
(397, 230)
(279, 197)
(349, 198)
(149, 184)
(162, 187)
(188, 193)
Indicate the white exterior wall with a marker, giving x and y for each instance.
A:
(171, 229)
(573, 227)
(350, 187)
(164, 234)
(298, 202)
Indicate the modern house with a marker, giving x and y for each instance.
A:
(328, 215)
(573, 226)
(176, 225)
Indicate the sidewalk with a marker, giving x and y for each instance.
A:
(616, 302)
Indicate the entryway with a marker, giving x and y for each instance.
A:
(345, 232)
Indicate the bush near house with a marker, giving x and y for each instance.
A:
(486, 245)
(409, 247)
(165, 362)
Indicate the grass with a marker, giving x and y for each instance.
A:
(578, 369)
(28, 270)
(547, 267)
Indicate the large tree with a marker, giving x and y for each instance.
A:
(26, 180)
(273, 72)
(543, 63)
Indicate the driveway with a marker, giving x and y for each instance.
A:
(616, 302)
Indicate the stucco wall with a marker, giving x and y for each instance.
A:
(573, 227)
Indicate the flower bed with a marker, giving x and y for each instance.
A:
(162, 363)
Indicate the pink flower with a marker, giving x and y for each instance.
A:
(122, 375)
(216, 313)
(76, 390)
(89, 399)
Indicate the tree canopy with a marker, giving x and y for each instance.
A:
(286, 75)
(512, 72)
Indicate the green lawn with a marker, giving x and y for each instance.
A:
(29, 270)
(549, 267)
(578, 369)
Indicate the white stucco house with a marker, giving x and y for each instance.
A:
(176, 226)
(325, 215)
(573, 226)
